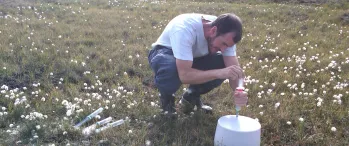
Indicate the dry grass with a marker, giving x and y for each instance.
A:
(58, 57)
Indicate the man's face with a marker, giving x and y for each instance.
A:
(220, 43)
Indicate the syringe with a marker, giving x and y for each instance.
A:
(240, 88)
(89, 117)
(114, 124)
(90, 129)
(107, 120)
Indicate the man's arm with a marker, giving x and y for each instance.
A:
(189, 75)
(229, 61)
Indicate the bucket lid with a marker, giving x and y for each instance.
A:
(239, 124)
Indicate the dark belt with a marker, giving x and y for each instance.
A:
(157, 47)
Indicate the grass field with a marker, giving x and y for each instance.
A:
(62, 60)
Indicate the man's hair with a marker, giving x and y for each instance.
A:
(229, 22)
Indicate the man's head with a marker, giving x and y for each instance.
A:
(225, 31)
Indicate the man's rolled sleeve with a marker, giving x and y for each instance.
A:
(231, 51)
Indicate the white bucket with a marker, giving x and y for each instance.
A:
(237, 131)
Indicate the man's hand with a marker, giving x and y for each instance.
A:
(240, 98)
(231, 72)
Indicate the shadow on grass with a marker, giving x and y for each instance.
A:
(196, 129)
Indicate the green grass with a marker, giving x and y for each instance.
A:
(92, 54)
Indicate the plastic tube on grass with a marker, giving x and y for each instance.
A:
(240, 88)
(89, 117)
(114, 124)
(102, 122)
(90, 129)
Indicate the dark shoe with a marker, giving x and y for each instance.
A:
(186, 106)
(203, 107)
(168, 107)
(190, 100)
(168, 115)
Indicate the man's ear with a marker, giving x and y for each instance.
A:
(213, 31)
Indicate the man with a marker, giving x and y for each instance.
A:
(199, 50)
